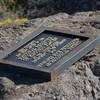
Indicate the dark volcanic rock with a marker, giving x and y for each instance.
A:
(95, 66)
(6, 87)
(41, 8)
(79, 5)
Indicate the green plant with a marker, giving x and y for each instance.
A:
(8, 3)
(10, 9)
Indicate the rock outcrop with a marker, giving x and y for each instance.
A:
(76, 83)
(41, 8)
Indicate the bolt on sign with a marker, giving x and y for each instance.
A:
(47, 52)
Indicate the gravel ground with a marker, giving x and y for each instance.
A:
(80, 82)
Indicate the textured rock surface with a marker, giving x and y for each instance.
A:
(76, 83)
(40, 8)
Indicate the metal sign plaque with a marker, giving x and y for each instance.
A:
(48, 51)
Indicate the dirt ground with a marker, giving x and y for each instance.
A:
(80, 82)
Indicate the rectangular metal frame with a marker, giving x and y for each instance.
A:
(61, 65)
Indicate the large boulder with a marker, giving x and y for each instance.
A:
(40, 8)
(72, 6)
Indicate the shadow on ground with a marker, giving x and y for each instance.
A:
(21, 75)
